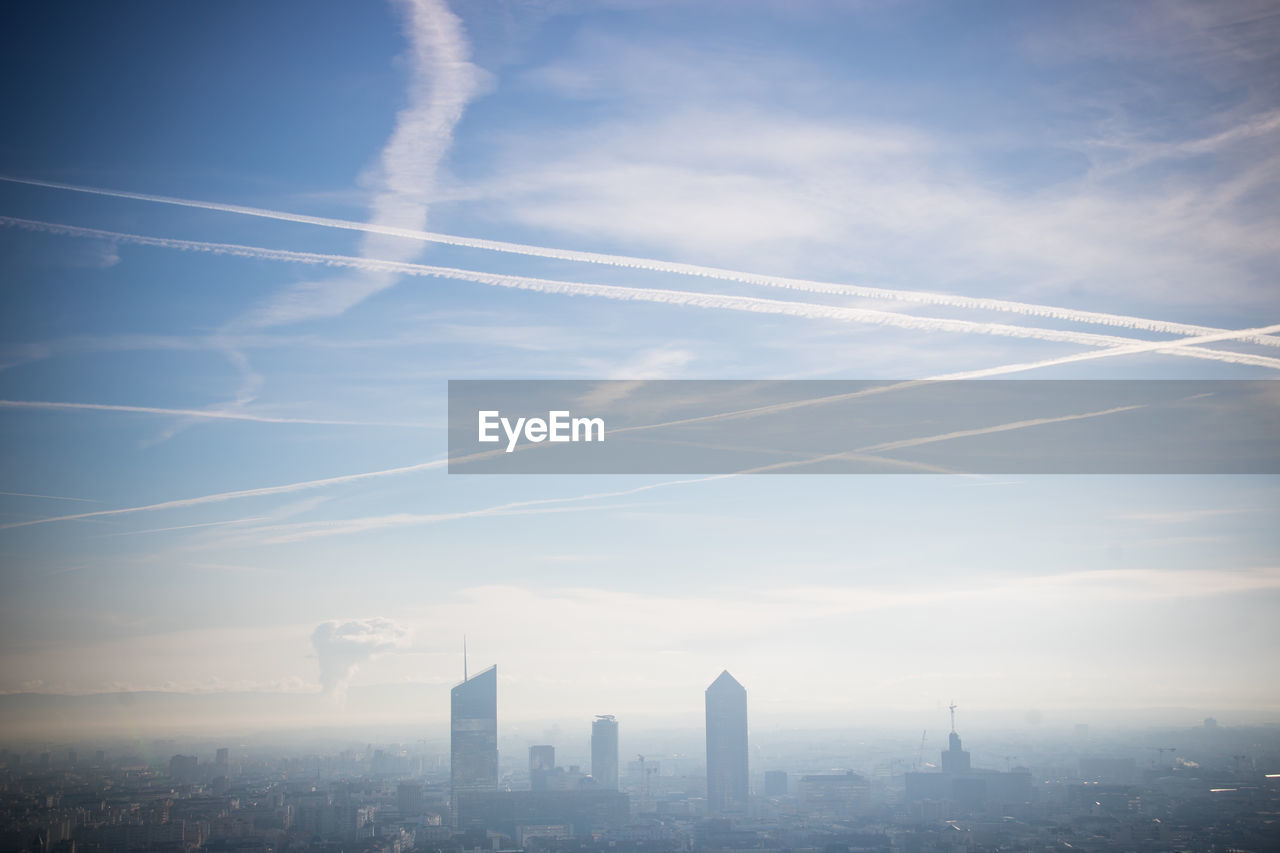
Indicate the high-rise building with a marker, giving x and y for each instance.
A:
(727, 779)
(223, 758)
(473, 752)
(604, 752)
(542, 763)
(954, 758)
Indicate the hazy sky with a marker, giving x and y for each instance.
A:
(1099, 157)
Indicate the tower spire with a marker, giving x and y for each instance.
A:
(952, 707)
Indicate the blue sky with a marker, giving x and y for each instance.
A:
(1090, 156)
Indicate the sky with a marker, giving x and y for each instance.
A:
(223, 380)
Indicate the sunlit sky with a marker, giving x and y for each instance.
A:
(1100, 157)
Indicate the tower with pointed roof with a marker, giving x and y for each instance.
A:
(727, 777)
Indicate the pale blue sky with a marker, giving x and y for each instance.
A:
(1100, 157)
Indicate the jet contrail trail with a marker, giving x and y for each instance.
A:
(441, 463)
(313, 529)
(695, 299)
(193, 413)
(978, 373)
(49, 497)
(358, 525)
(651, 264)
(243, 493)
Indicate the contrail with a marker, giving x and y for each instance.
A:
(869, 451)
(410, 520)
(311, 530)
(978, 373)
(194, 413)
(49, 497)
(965, 433)
(441, 463)
(191, 526)
(243, 493)
(696, 299)
(654, 265)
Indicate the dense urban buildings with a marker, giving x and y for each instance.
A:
(1119, 791)
(1073, 789)
(728, 781)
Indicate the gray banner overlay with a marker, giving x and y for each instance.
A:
(864, 427)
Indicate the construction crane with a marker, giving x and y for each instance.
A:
(1008, 762)
(1162, 750)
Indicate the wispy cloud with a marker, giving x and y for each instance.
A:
(1184, 516)
(442, 82)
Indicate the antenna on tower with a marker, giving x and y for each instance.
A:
(464, 658)
(952, 707)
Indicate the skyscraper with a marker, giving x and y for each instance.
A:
(473, 753)
(954, 758)
(727, 779)
(604, 752)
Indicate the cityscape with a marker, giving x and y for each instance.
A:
(637, 426)
(1121, 789)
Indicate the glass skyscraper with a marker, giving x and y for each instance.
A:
(473, 753)
(727, 780)
(604, 752)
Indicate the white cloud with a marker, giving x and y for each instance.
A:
(343, 646)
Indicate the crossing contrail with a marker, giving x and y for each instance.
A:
(977, 373)
(695, 299)
(917, 296)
